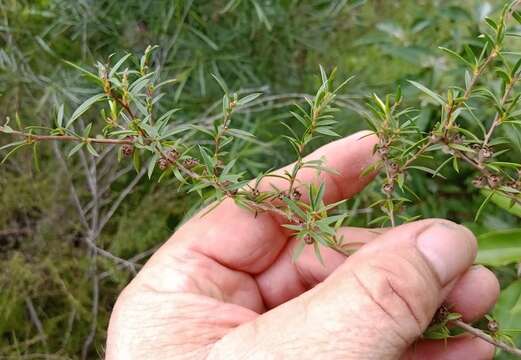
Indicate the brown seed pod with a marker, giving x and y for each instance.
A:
(163, 164)
(514, 184)
(493, 326)
(388, 188)
(394, 168)
(485, 153)
(296, 195)
(255, 193)
(172, 155)
(308, 240)
(127, 150)
(441, 315)
(458, 139)
(190, 163)
(494, 181)
(479, 182)
(383, 150)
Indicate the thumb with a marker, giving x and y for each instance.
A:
(395, 284)
(374, 306)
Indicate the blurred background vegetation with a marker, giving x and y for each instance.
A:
(55, 299)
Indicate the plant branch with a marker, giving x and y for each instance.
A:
(70, 138)
(484, 336)
(497, 119)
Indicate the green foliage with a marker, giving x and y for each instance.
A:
(164, 115)
(508, 314)
(499, 248)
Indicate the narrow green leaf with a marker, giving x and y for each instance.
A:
(456, 55)
(76, 148)
(13, 150)
(92, 151)
(437, 98)
(116, 66)
(205, 38)
(84, 107)
(248, 98)
(87, 73)
(482, 206)
(326, 131)
(208, 161)
(59, 117)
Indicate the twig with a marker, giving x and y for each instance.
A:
(73, 192)
(120, 199)
(33, 137)
(484, 336)
(94, 312)
(497, 117)
(36, 320)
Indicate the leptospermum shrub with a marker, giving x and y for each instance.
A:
(132, 119)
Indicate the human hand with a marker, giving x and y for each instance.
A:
(225, 287)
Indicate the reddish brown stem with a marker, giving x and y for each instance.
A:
(71, 138)
(484, 336)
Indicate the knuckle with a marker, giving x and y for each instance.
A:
(401, 290)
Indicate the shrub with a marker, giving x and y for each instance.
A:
(212, 155)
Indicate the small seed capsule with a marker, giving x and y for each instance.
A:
(388, 188)
(308, 240)
(493, 326)
(479, 182)
(172, 155)
(485, 153)
(494, 181)
(383, 150)
(394, 168)
(296, 195)
(127, 150)
(458, 139)
(514, 184)
(163, 164)
(190, 163)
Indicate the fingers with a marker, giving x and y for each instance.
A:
(400, 279)
(242, 241)
(453, 349)
(375, 304)
(415, 259)
(474, 294)
(287, 278)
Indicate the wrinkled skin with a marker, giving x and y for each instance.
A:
(224, 286)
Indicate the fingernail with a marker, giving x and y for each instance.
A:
(449, 248)
(477, 268)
